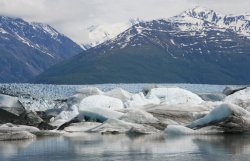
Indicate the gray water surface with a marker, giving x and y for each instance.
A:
(88, 147)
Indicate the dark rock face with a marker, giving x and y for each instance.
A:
(27, 49)
(30, 119)
(7, 117)
(12, 111)
(43, 115)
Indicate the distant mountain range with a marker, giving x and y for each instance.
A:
(97, 34)
(27, 49)
(197, 46)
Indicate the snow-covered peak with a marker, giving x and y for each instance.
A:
(97, 34)
(203, 14)
(45, 28)
(198, 10)
(247, 16)
(135, 21)
(38, 36)
(200, 17)
(191, 30)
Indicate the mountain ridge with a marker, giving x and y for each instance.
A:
(181, 49)
(27, 49)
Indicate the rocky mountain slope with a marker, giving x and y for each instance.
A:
(27, 49)
(196, 46)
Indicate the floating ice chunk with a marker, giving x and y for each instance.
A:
(139, 116)
(83, 93)
(231, 118)
(146, 89)
(89, 91)
(179, 130)
(119, 93)
(118, 126)
(98, 114)
(11, 104)
(81, 127)
(139, 100)
(47, 133)
(101, 101)
(212, 96)
(176, 130)
(218, 114)
(14, 128)
(240, 98)
(19, 135)
(68, 115)
(174, 95)
(65, 116)
(182, 114)
(231, 90)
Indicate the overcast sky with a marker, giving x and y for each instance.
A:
(72, 16)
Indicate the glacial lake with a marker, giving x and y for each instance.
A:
(158, 147)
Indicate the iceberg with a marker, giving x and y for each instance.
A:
(11, 104)
(65, 116)
(15, 128)
(139, 100)
(229, 117)
(231, 90)
(174, 95)
(20, 135)
(119, 93)
(180, 114)
(240, 98)
(139, 117)
(176, 130)
(81, 94)
(81, 127)
(212, 96)
(101, 101)
(98, 114)
(115, 126)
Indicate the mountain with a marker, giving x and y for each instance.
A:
(197, 46)
(97, 34)
(237, 23)
(27, 49)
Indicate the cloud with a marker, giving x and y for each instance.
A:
(71, 17)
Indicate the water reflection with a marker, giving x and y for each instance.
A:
(83, 146)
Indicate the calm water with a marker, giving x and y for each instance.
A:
(83, 146)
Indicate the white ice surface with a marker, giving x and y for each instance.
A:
(97, 113)
(221, 113)
(174, 95)
(101, 101)
(139, 100)
(240, 98)
(139, 116)
(119, 93)
(11, 104)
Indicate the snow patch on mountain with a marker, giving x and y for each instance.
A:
(46, 29)
(238, 23)
(98, 34)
